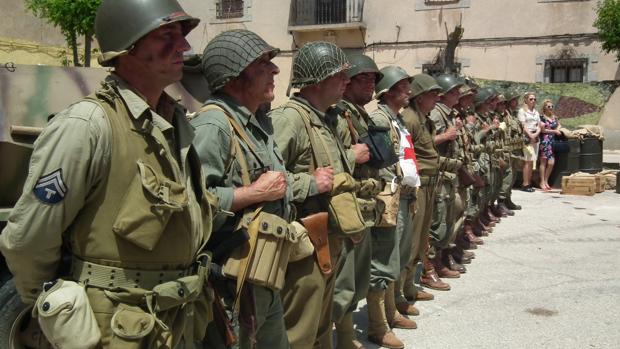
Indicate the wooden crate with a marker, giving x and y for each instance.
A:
(579, 185)
(600, 183)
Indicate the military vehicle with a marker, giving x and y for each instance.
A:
(29, 97)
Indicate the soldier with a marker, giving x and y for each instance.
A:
(352, 280)
(116, 178)
(471, 152)
(514, 132)
(391, 243)
(305, 131)
(443, 230)
(506, 152)
(243, 167)
(484, 134)
(424, 95)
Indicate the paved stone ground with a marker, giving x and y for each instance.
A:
(549, 277)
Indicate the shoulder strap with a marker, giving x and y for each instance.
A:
(305, 117)
(235, 145)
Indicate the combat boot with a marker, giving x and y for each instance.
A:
(463, 242)
(491, 216)
(504, 209)
(449, 261)
(345, 334)
(511, 205)
(497, 212)
(442, 270)
(484, 220)
(472, 238)
(423, 296)
(378, 330)
(481, 230)
(393, 316)
(430, 278)
(460, 256)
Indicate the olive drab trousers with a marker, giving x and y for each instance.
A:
(352, 282)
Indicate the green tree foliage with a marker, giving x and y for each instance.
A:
(608, 25)
(75, 18)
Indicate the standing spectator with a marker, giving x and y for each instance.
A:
(530, 119)
(549, 126)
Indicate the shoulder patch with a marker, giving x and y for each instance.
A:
(50, 188)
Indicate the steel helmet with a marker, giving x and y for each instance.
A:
(119, 24)
(229, 53)
(317, 61)
(391, 76)
(423, 83)
(447, 82)
(362, 64)
(483, 95)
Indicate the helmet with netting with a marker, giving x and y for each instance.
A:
(119, 24)
(317, 61)
(392, 74)
(423, 83)
(229, 53)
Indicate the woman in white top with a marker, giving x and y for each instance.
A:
(530, 119)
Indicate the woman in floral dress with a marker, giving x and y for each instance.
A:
(549, 125)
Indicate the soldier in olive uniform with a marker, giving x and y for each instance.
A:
(237, 64)
(391, 245)
(506, 173)
(514, 135)
(352, 280)
(116, 178)
(443, 230)
(425, 93)
(471, 152)
(485, 129)
(319, 72)
(497, 153)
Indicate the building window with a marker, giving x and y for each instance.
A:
(440, 2)
(313, 12)
(567, 70)
(229, 9)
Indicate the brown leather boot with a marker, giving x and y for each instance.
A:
(463, 242)
(474, 239)
(504, 209)
(407, 309)
(424, 296)
(452, 264)
(430, 278)
(442, 270)
(459, 255)
(497, 212)
(491, 216)
(378, 330)
(481, 230)
(484, 219)
(394, 318)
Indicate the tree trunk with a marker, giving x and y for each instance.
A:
(73, 45)
(88, 38)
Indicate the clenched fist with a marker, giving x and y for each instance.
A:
(324, 178)
(362, 154)
(271, 185)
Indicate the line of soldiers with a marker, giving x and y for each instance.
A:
(246, 226)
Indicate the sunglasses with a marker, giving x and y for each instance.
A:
(532, 99)
(550, 106)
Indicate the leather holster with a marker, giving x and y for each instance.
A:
(316, 224)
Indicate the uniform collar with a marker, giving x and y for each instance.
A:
(316, 114)
(240, 112)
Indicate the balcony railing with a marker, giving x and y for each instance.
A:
(313, 12)
(229, 9)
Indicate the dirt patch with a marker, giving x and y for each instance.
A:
(542, 312)
(570, 107)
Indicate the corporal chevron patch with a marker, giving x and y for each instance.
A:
(50, 188)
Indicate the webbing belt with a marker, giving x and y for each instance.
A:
(110, 277)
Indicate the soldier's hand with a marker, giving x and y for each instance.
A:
(485, 126)
(324, 178)
(458, 123)
(451, 133)
(271, 185)
(362, 154)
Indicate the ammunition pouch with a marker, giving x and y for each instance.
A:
(344, 212)
(267, 264)
(390, 200)
(370, 207)
(380, 147)
(66, 317)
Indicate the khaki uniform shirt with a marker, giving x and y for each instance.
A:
(422, 131)
(76, 147)
(213, 143)
(294, 142)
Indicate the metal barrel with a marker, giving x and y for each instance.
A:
(591, 155)
(565, 163)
